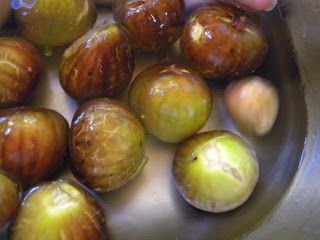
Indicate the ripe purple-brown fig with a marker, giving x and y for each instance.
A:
(172, 102)
(221, 41)
(33, 143)
(215, 171)
(19, 71)
(59, 210)
(253, 104)
(10, 194)
(151, 24)
(100, 65)
(106, 144)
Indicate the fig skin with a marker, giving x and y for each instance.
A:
(215, 171)
(33, 143)
(152, 24)
(59, 210)
(98, 66)
(10, 194)
(222, 42)
(253, 104)
(106, 144)
(172, 102)
(19, 71)
(52, 23)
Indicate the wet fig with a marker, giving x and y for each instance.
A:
(221, 41)
(152, 24)
(9, 198)
(172, 102)
(19, 71)
(52, 23)
(33, 143)
(100, 65)
(253, 104)
(106, 144)
(215, 171)
(59, 210)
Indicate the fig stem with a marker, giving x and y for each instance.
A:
(48, 51)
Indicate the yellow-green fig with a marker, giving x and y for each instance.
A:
(59, 210)
(52, 23)
(215, 171)
(99, 65)
(106, 144)
(9, 198)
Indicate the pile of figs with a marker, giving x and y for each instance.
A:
(215, 171)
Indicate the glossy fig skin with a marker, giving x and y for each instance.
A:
(222, 42)
(10, 195)
(172, 102)
(253, 104)
(152, 24)
(51, 23)
(19, 71)
(106, 144)
(215, 171)
(59, 210)
(98, 66)
(33, 143)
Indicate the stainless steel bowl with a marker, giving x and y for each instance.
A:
(285, 202)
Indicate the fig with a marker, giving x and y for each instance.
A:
(19, 71)
(59, 210)
(215, 171)
(152, 24)
(9, 198)
(222, 42)
(98, 66)
(52, 23)
(172, 102)
(253, 104)
(106, 144)
(33, 143)
(4, 11)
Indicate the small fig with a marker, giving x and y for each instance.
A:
(172, 102)
(19, 71)
(253, 104)
(59, 210)
(221, 41)
(152, 25)
(52, 23)
(33, 143)
(106, 144)
(215, 171)
(98, 66)
(9, 198)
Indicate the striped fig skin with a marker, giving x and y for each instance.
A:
(19, 71)
(9, 198)
(152, 24)
(52, 23)
(33, 143)
(98, 66)
(106, 144)
(59, 210)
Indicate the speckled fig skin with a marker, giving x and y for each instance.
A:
(19, 71)
(106, 144)
(98, 66)
(52, 23)
(152, 24)
(215, 171)
(10, 194)
(222, 42)
(59, 210)
(172, 102)
(253, 104)
(33, 143)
